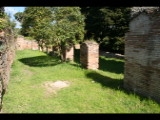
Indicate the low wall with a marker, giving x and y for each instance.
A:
(22, 44)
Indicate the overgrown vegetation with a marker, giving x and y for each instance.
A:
(90, 91)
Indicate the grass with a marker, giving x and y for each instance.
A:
(90, 91)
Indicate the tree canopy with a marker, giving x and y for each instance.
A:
(36, 22)
(69, 27)
(107, 25)
(60, 27)
(19, 16)
(64, 26)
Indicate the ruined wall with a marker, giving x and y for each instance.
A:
(89, 55)
(70, 54)
(7, 54)
(23, 44)
(142, 55)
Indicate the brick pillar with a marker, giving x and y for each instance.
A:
(70, 54)
(89, 55)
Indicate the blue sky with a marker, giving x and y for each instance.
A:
(12, 10)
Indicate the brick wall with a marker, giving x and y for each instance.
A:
(7, 54)
(70, 54)
(89, 55)
(22, 44)
(142, 55)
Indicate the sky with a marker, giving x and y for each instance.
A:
(11, 11)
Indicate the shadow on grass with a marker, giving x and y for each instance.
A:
(40, 61)
(112, 83)
(105, 81)
(105, 64)
(111, 65)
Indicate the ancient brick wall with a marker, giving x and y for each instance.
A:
(7, 54)
(89, 55)
(142, 55)
(70, 54)
(23, 44)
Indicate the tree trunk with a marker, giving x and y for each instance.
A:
(63, 54)
(39, 46)
(47, 50)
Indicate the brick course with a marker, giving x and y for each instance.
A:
(142, 55)
(89, 55)
(22, 44)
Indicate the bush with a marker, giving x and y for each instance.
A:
(3, 24)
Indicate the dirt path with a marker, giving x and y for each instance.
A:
(53, 87)
(114, 55)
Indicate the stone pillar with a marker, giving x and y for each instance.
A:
(69, 54)
(89, 55)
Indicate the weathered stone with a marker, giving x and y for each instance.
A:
(6, 59)
(22, 44)
(89, 55)
(142, 55)
(70, 54)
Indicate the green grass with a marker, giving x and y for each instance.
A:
(90, 91)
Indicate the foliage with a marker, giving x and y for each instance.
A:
(37, 23)
(89, 91)
(68, 27)
(3, 23)
(2, 11)
(60, 27)
(19, 16)
(7, 25)
(107, 25)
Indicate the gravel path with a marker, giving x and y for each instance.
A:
(114, 55)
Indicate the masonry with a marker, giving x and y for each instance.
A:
(142, 55)
(89, 55)
(22, 44)
(7, 54)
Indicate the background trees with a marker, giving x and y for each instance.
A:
(107, 25)
(5, 22)
(36, 22)
(68, 27)
(60, 27)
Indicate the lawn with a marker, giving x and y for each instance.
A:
(89, 91)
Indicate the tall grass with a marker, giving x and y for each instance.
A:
(99, 91)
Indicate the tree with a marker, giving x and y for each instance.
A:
(37, 23)
(5, 21)
(107, 25)
(2, 12)
(69, 28)
(61, 27)
(19, 16)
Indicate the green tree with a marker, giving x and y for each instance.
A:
(5, 21)
(60, 27)
(107, 25)
(69, 28)
(37, 23)
(19, 16)
(2, 12)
